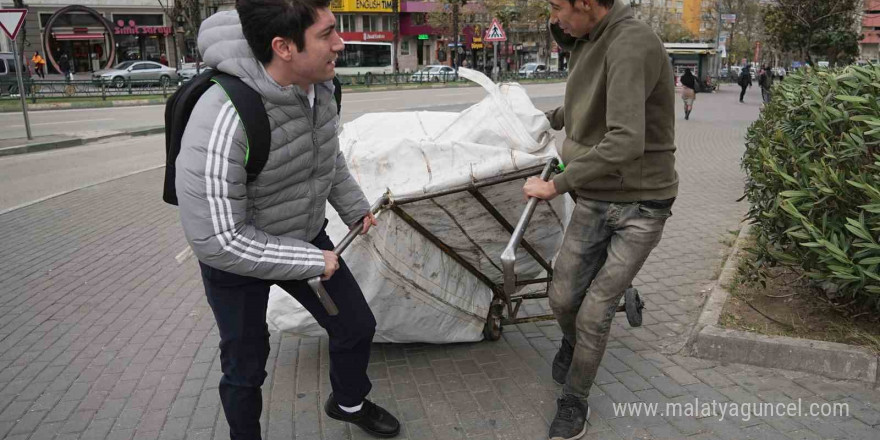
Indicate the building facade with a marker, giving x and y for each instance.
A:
(93, 34)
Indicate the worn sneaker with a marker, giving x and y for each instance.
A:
(562, 361)
(571, 418)
(371, 418)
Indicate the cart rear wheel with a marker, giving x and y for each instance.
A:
(634, 305)
(492, 329)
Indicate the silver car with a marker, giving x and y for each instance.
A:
(139, 72)
(434, 73)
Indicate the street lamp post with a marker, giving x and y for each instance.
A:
(718, 40)
(181, 29)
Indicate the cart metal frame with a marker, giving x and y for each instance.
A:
(504, 296)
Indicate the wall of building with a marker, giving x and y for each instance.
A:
(109, 9)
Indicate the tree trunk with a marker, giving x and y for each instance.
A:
(455, 59)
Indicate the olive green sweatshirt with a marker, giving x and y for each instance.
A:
(618, 113)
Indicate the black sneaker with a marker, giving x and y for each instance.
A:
(562, 361)
(571, 418)
(371, 418)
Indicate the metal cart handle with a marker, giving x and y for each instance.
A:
(316, 284)
(508, 257)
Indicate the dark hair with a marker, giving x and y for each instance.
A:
(263, 20)
(606, 3)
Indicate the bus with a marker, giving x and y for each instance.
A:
(360, 57)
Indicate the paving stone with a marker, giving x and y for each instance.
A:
(106, 354)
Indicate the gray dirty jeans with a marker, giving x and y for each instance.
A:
(604, 247)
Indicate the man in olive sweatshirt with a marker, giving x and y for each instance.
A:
(618, 152)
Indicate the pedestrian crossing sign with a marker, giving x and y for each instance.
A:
(495, 32)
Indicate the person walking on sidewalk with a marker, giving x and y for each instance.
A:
(248, 236)
(745, 81)
(619, 162)
(688, 92)
(64, 65)
(765, 81)
(39, 64)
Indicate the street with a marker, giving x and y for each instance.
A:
(355, 104)
(105, 334)
(39, 175)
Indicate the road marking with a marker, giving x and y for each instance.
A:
(65, 122)
(183, 255)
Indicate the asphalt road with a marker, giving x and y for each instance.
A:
(65, 122)
(32, 177)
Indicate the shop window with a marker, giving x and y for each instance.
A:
(372, 23)
(345, 23)
(404, 47)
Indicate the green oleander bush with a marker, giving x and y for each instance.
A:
(813, 166)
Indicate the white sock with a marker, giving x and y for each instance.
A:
(353, 409)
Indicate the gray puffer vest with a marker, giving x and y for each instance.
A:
(260, 229)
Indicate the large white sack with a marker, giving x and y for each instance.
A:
(418, 293)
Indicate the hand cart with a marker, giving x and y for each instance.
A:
(506, 299)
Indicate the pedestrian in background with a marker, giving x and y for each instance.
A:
(745, 81)
(39, 64)
(64, 65)
(688, 92)
(765, 81)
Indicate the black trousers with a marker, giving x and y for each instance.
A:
(743, 93)
(239, 304)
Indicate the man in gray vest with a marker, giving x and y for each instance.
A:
(251, 235)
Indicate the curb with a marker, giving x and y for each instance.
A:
(75, 142)
(829, 359)
(87, 105)
(52, 196)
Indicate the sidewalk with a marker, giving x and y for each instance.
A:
(53, 142)
(105, 335)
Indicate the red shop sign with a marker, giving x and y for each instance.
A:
(134, 29)
(367, 36)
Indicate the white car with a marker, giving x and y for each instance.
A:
(434, 73)
(189, 70)
(532, 70)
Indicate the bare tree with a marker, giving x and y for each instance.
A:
(190, 11)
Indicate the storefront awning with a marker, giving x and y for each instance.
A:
(79, 36)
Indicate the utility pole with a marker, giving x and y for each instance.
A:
(718, 40)
(395, 10)
(455, 59)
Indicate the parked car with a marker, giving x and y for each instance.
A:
(434, 73)
(141, 72)
(8, 79)
(189, 70)
(532, 70)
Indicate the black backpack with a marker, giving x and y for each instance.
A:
(249, 106)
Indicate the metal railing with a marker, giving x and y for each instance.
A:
(36, 90)
(43, 89)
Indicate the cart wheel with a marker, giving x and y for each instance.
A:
(634, 305)
(492, 329)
